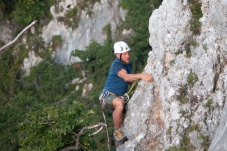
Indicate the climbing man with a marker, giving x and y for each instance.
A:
(120, 75)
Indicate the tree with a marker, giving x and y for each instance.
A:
(55, 127)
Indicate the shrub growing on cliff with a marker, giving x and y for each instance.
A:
(56, 42)
(196, 11)
(25, 11)
(192, 78)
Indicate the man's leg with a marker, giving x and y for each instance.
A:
(118, 104)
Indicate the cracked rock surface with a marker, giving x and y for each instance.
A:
(184, 106)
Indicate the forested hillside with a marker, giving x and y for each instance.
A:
(46, 109)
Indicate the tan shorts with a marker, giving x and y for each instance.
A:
(109, 101)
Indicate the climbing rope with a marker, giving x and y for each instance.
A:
(104, 117)
(130, 91)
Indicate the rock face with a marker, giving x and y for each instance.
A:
(6, 31)
(90, 27)
(182, 108)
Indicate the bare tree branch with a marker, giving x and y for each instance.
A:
(86, 128)
(10, 43)
(81, 133)
(62, 101)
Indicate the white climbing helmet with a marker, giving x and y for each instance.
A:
(121, 47)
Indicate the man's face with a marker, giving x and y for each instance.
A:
(125, 57)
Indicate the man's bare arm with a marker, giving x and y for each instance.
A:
(132, 77)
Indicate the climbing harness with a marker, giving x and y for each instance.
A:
(125, 97)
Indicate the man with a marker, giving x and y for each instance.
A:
(120, 75)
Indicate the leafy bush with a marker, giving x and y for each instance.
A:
(72, 18)
(7, 7)
(25, 11)
(44, 86)
(57, 42)
(97, 60)
(8, 78)
(51, 128)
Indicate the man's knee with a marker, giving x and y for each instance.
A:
(118, 103)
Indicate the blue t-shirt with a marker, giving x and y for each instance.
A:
(114, 83)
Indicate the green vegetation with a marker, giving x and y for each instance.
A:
(195, 7)
(195, 27)
(137, 20)
(188, 43)
(23, 12)
(97, 65)
(182, 99)
(186, 142)
(206, 142)
(72, 18)
(209, 103)
(53, 127)
(8, 78)
(107, 32)
(20, 95)
(193, 128)
(28, 10)
(56, 42)
(169, 131)
(193, 43)
(183, 94)
(86, 4)
(192, 78)
(172, 62)
(7, 7)
(205, 47)
(185, 113)
(188, 53)
(26, 102)
(1, 43)
(175, 149)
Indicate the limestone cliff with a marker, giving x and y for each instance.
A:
(90, 27)
(182, 108)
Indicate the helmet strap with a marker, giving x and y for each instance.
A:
(120, 56)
